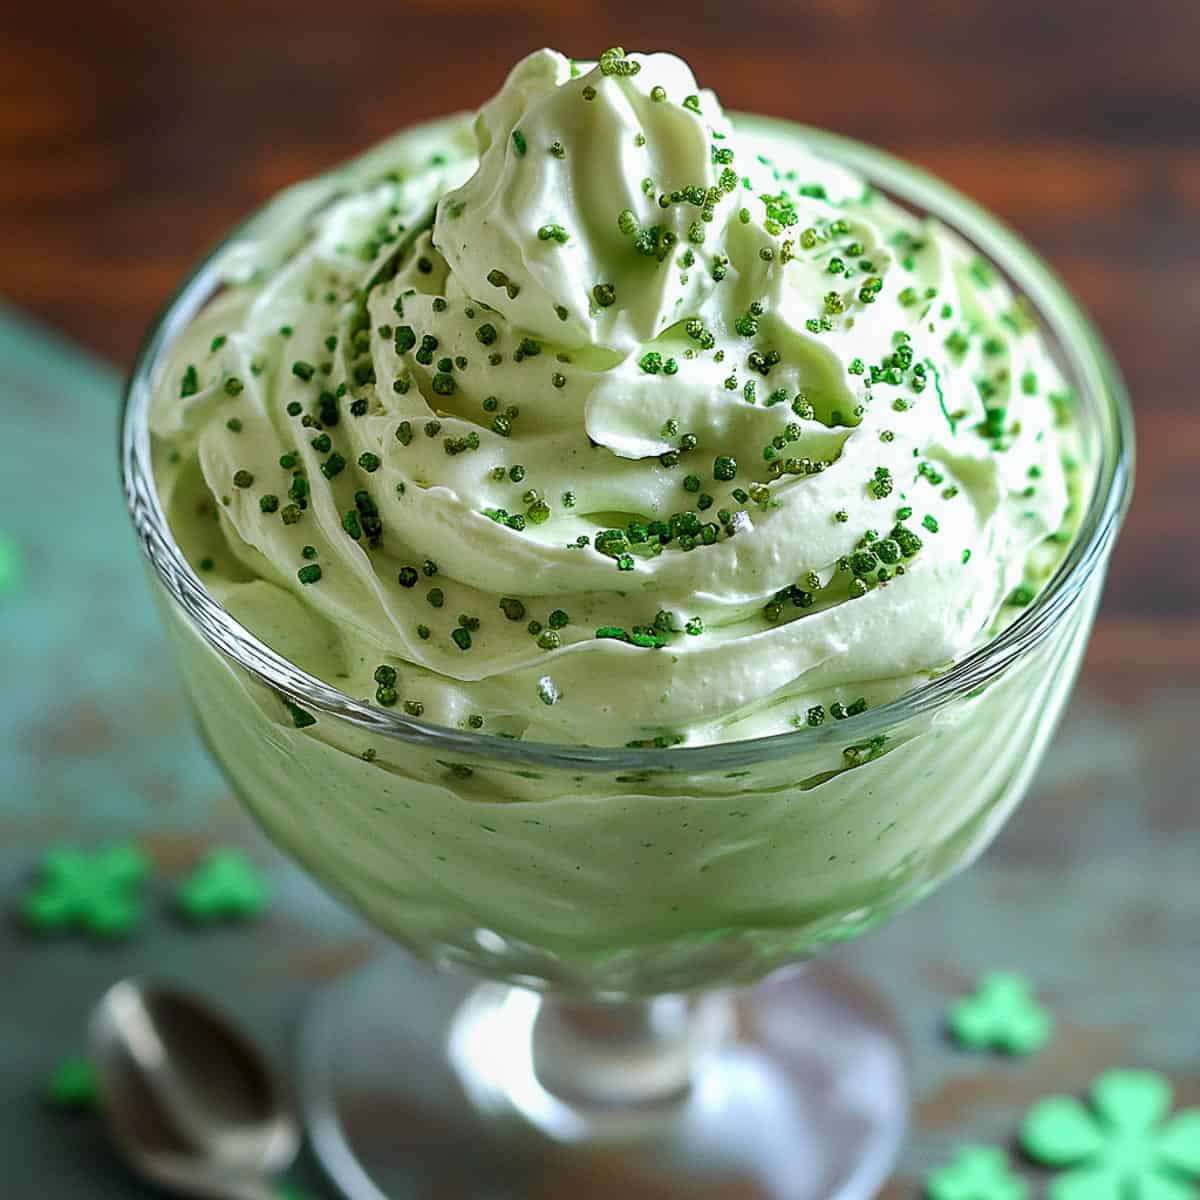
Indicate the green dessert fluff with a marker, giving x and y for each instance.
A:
(602, 419)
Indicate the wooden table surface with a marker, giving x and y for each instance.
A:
(133, 132)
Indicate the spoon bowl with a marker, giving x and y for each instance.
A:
(189, 1100)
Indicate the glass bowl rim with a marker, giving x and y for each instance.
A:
(1091, 365)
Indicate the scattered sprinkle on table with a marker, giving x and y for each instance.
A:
(1121, 1147)
(10, 565)
(225, 886)
(1003, 1014)
(72, 1086)
(100, 894)
(976, 1173)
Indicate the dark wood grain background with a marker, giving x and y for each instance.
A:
(133, 132)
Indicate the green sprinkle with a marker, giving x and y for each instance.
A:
(553, 233)
(881, 484)
(310, 573)
(512, 608)
(190, 384)
(242, 479)
(614, 62)
(72, 1087)
(303, 370)
(518, 139)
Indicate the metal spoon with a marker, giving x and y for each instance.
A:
(189, 1101)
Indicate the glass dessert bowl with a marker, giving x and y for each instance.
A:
(614, 896)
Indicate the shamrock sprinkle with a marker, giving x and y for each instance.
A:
(976, 1173)
(72, 1086)
(224, 886)
(1002, 1015)
(1121, 1147)
(10, 565)
(100, 893)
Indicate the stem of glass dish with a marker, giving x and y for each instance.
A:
(633, 1054)
(585, 1072)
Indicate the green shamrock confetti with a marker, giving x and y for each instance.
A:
(226, 886)
(72, 1086)
(10, 565)
(99, 893)
(1002, 1015)
(1122, 1147)
(977, 1173)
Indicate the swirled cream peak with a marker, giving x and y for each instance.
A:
(562, 154)
(606, 421)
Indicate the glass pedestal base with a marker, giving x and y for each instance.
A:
(419, 1084)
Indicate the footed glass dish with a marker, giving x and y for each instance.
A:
(623, 905)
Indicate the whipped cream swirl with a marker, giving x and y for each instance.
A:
(607, 421)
